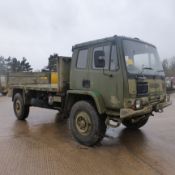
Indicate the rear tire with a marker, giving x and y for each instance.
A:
(86, 126)
(135, 125)
(21, 110)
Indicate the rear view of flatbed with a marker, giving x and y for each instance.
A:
(44, 95)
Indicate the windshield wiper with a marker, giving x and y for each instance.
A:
(148, 68)
(145, 68)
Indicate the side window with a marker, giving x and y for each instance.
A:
(106, 50)
(114, 60)
(82, 59)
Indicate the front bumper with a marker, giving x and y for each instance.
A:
(130, 113)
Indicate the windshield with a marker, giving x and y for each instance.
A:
(142, 58)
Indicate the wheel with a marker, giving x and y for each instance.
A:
(86, 126)
(21, 110)
(135, 125)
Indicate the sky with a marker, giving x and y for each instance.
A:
(37, 28)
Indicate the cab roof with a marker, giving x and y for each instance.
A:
(108, 39)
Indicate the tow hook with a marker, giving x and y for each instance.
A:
(160, 110)
(112, 122)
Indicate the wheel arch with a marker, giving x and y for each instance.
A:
(17, 90)
(93, 97)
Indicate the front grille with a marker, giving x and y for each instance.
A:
(142, 88)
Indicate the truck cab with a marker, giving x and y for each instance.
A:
(125, 72)
(106, 82)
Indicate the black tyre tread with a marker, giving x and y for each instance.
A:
(25, 108)
(137, 125)
(99, 121)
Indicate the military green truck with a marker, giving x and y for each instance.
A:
(106, 82)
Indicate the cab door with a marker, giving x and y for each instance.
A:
(79, 70)
(107, 79)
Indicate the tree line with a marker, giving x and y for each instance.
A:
(12, 64)
(169, 66)
(52, 63)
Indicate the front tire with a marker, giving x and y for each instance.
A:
(135, 125)
(21, 110)
(86, 126)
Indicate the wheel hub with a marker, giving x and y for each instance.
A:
(18, 106)
(83, 123)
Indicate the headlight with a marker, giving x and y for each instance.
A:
(138, 104)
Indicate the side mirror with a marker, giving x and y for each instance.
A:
(99, 60)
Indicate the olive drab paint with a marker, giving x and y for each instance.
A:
(113, 90)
